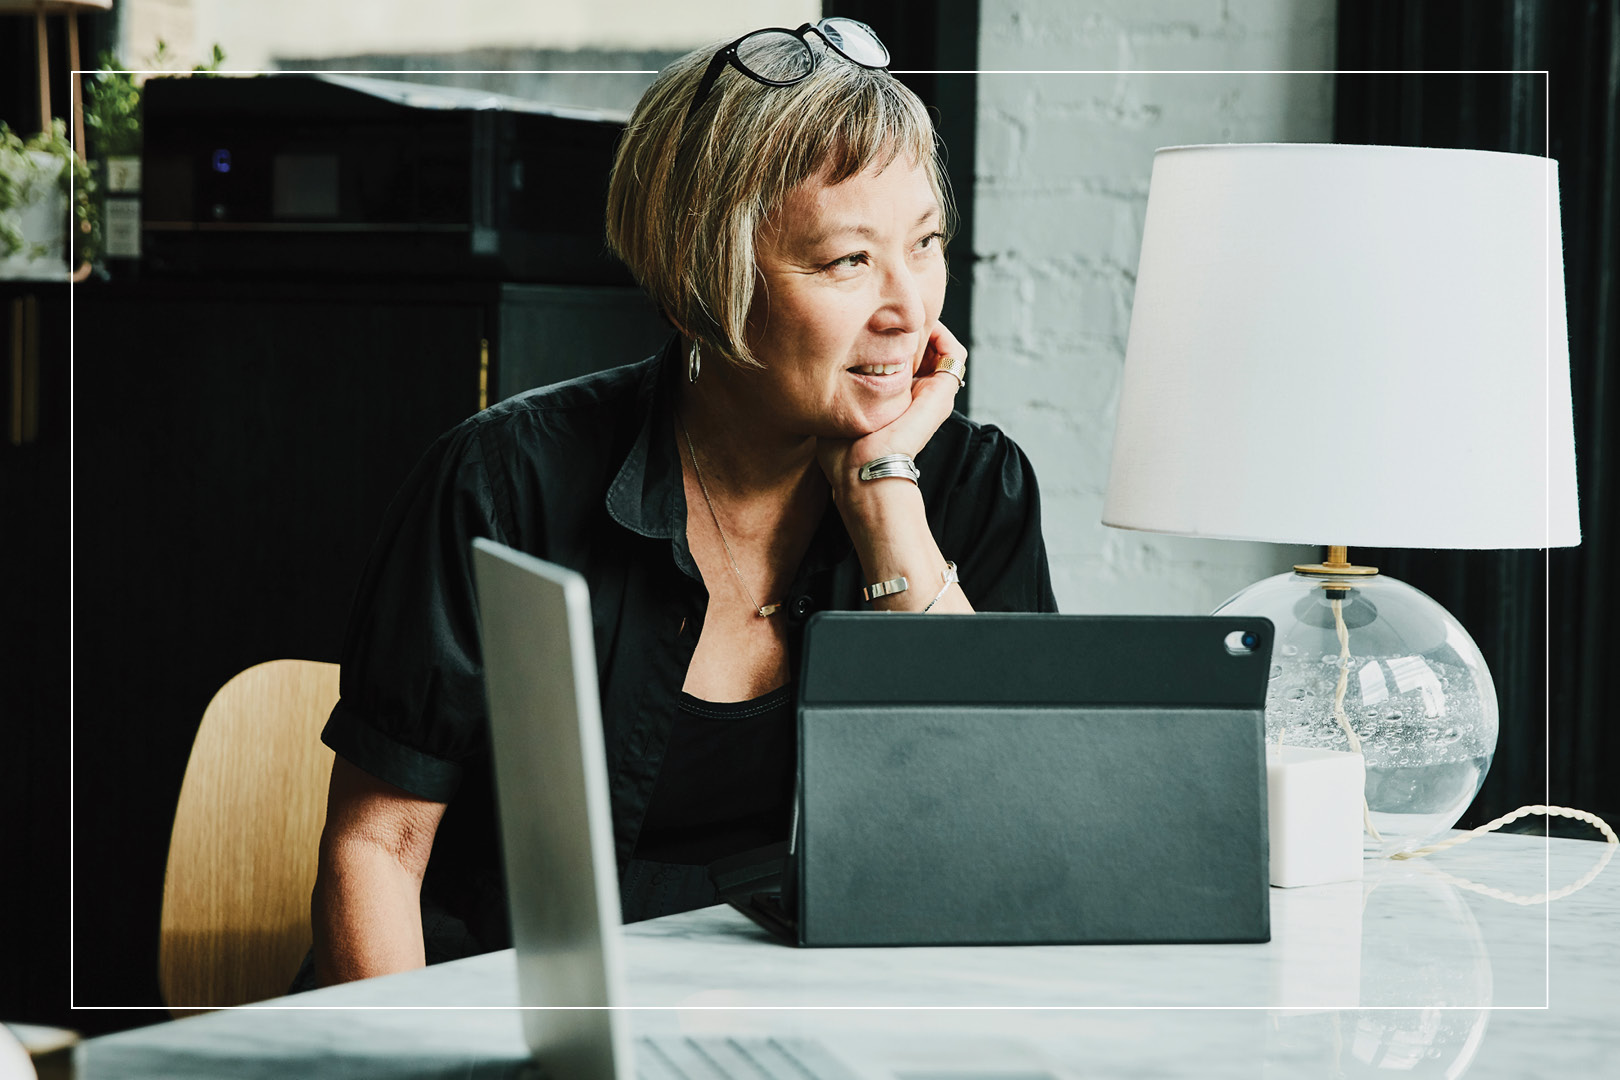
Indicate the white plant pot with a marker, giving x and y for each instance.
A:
(42, 217)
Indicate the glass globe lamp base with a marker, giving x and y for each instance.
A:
(1370, 664)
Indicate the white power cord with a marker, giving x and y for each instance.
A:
(1491, 826)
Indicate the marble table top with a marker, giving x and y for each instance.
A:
(1412, 970)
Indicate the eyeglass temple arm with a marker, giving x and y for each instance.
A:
(716, 65)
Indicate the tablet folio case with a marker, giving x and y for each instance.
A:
(1031, 779)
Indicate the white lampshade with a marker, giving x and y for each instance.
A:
(1356, 345)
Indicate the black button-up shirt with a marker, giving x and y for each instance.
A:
(586, 474)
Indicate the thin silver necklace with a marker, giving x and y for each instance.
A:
(760, 610)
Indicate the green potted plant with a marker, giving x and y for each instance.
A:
(37, 174)
(112, 120)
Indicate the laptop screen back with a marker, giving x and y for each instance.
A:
(556, 824)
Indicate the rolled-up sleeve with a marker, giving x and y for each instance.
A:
(412, 709)
(990, 522)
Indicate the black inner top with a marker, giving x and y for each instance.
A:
(726, 781)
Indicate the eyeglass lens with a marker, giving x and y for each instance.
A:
(855, 41)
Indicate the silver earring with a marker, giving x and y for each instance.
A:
(694, 362)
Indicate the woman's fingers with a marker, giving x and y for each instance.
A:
(932, 400)
(943, 347)
(933, 395)
(940, 375)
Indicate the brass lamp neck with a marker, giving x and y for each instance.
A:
(1337, 564)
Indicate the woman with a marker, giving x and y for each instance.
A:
(782, 202)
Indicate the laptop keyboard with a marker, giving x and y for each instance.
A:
(722, 1058)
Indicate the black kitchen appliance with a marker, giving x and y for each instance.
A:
(355, 176)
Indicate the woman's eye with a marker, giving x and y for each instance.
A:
(849, 261)
(931, 241)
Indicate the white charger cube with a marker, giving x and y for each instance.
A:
(1314, 799)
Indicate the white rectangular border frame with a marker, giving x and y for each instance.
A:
(1269, 1007)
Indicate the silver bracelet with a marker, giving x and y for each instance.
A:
(950, 575)
(888, 465)
(885, 588)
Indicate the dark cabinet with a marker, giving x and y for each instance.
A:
(234, 448)
(34, 590)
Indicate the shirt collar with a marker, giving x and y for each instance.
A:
(648, 496)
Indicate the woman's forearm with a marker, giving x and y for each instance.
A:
(366, 914)
(888, 524)
(366, 908)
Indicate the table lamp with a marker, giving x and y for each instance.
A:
(1354, 345)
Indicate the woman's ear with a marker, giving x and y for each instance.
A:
(679, 329)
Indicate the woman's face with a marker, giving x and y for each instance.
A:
(852, 277)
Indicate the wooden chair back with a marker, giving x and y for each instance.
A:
(246, 838)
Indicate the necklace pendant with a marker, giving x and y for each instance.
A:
(768, 610)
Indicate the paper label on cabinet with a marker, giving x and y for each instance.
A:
(123, 174)
(121, 228)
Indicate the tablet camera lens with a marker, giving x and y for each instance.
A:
(1242, 642)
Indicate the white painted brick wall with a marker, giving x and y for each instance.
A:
(1061, 188)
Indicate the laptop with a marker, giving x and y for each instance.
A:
(557, 833)
(1022, 779)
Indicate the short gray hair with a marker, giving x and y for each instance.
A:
(688, 195)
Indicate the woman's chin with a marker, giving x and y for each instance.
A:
(860, 424)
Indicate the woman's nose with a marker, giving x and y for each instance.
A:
(902, 308)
